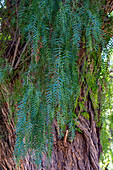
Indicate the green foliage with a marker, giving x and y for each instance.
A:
(107, 106)
(49, 87)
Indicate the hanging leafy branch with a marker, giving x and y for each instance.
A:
(54, 53)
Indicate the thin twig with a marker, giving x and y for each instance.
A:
(21, 55)
(14, 39)
(17, 13)
(25, 60)
(16, 51)
(65, 137)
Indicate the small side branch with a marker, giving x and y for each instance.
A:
(15, 51)
(65, 137)
(21, 55)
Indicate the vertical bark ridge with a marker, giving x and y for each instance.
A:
(81, 154)
(7, 142)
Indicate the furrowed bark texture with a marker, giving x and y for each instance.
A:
(82, 154)
(7, 142)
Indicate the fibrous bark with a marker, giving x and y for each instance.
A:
(81, 154)
(7, 142)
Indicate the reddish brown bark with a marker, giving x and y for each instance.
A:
(82, 154)
(7, 142)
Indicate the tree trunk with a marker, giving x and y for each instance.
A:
(7, 142)
(83, 153)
